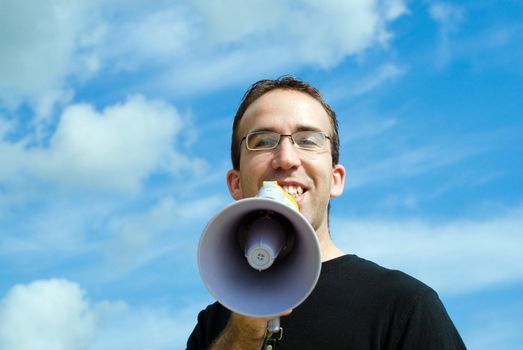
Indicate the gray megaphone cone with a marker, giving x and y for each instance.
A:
(232, 279)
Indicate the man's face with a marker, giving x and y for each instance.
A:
(309, 177)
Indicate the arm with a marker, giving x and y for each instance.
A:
(241, 332)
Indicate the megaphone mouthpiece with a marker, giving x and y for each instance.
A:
(265, 239)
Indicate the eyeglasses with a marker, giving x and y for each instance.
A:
(267, 140)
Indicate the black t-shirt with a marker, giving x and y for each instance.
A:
(356, 304)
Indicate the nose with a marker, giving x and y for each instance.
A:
(285, 154)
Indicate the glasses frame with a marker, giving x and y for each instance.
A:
(280, 136)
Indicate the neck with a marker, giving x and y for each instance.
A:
(329, 250)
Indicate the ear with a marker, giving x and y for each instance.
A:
(233, 182)
(338, 180)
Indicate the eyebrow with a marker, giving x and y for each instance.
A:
(299, 128)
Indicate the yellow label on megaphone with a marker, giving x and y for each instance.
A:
(271, 189)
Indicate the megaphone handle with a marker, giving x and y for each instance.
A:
(276, 333)
(273, 325)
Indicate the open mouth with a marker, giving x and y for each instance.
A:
(295, 191)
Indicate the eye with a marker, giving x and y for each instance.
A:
(308, 139)
(262, 140)
(308, 142)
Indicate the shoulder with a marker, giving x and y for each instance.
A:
(372, 286)
(370, 276)
(214, 316)
(211, 321)
(414, 308)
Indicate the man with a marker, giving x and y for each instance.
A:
(283, 131)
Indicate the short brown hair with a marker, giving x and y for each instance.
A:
(287, 83)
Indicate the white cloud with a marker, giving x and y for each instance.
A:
(453, 257)
(117, 147)
(41, 44)
(56, 314)
(52, 314)
(48, 44)
(315, 33)
(150, 37)
(114, 149)
(260, 38)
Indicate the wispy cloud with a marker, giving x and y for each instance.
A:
(408, 163)
(384, 73)
(395, 9)
(454, 257)
(354, 86)
(491, 47)
(117, 237)
(496, 328)
(170, 225)
(370, 127)
(123, 327)
(449, 17)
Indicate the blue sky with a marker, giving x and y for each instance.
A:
(115, 121)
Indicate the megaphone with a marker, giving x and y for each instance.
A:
(259, 256)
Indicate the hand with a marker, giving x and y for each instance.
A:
(243, 332)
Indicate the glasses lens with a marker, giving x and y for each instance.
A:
(262, 140)
(310, 140)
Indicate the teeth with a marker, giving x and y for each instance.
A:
(294, 191)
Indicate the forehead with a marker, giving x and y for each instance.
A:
(284, 111)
